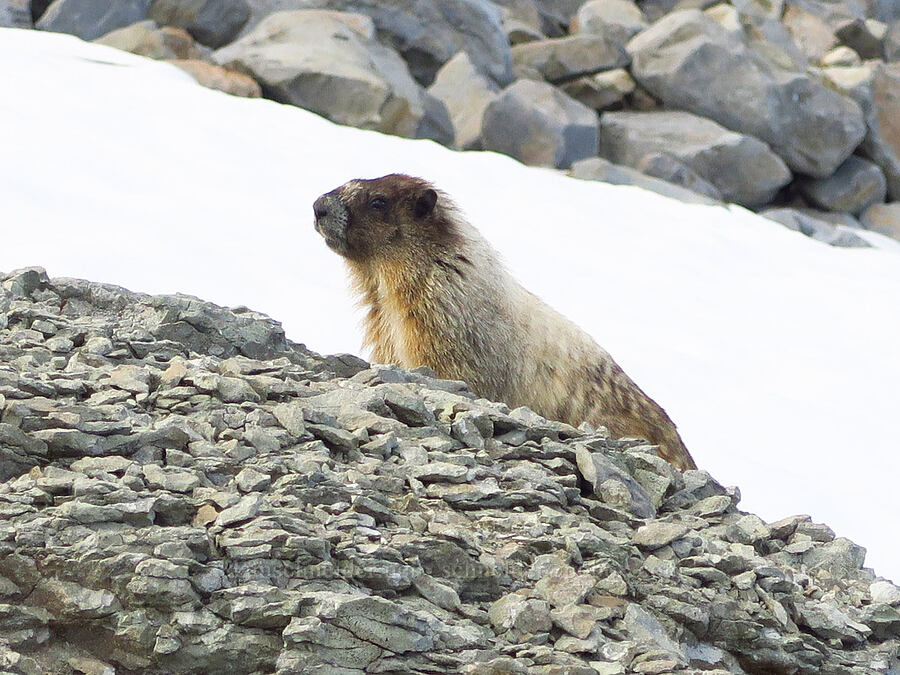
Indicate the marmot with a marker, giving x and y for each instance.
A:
(437, 295)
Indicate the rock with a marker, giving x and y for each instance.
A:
(88, 19)
(658, 534)
(856, 185)
(769, 9)
(811, 127)
(597, 168)
(217, 77)
(466, 93)
(596, 468)
(557, 14)
(864, 36)
(815, 225)
(538, 124)
(15, 14)
(601, 91)
(883, 218)
(892, 42)
(430, 33)
(666, 167)
(214, 23)
(145, 38)
(334, 67)
(521, 614)
(618, 20)
(563, 587)
(841, 57)
(811, 33)
(193, 533)
(562, 59)
(743, 169)
(881, 104)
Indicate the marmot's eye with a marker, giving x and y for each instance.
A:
(377, 203)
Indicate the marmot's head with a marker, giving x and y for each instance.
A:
(366, 219)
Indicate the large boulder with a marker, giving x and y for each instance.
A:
(856, 185)
(742, 168)
(330, 63)
(427, 33)
(691, 62)
(538, 124)
(15, 14)
(212, 22)
(89, 19)
(466, 93)
(561, 59)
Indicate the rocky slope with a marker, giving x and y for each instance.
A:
(788, 107)
(186, 491)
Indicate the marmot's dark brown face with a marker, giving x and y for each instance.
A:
(366, 218)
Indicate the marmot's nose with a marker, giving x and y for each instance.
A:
(320, 208)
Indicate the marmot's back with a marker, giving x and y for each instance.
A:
(437, 295)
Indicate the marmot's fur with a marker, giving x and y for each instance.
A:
(437, 295)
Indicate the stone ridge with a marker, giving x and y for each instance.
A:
(185, 491)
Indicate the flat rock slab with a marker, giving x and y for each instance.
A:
(742, 168)
(562, 59)
(332, 64)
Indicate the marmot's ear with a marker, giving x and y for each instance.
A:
(425, 203)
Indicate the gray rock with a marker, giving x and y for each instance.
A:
(770, 9)
(427, 33)
(538, 124)
(596, 468)
(519, 613)
(334, 67)
(436, 124)
(200, 535)
(679, 59)
(669, 168)
(864, 36)
(856, 185)
(815, 225)
(597, 168)
(657, 534)
(883, 218)
(884, 592)
(619, 20)
(466, 94)
(88, 19)
(562, 59)
(892, 42)
(212, 22)
(15, 14)
(811, 33)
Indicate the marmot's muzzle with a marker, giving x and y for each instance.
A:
(331, 221)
